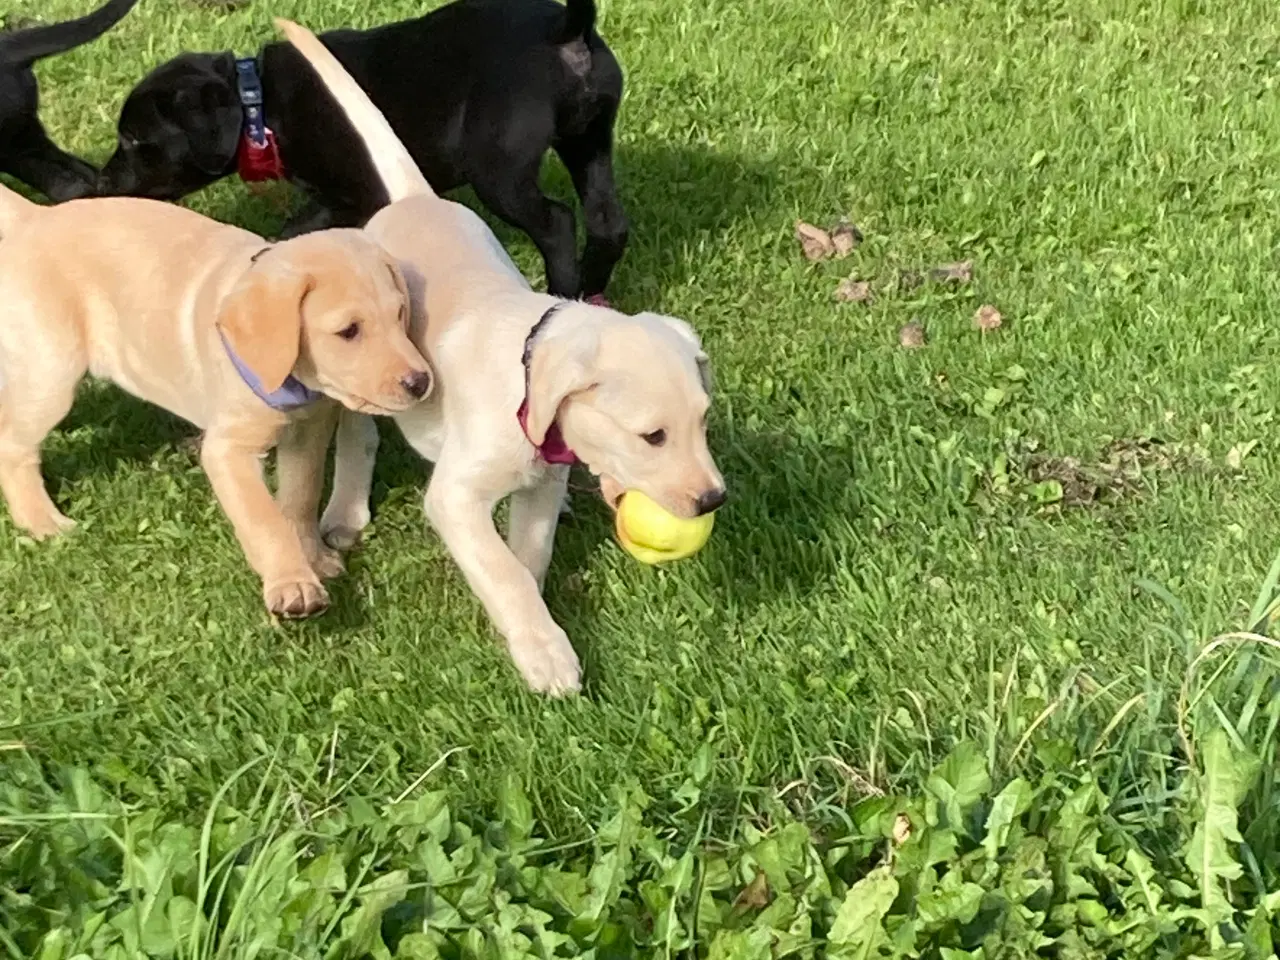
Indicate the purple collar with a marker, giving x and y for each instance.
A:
(291, 395)
(553, 448)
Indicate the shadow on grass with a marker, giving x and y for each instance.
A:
(675, 196)
(791, 505)
(119, 428)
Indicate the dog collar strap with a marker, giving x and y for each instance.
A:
(553, 448)
(258, 156)
(293, 394)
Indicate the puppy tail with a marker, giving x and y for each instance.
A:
(14, 208)
(399, 174)
(25, 47)
(579, 19)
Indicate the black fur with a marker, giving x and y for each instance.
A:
(478, 90)
(26, 152)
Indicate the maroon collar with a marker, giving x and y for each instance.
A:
(553, 448)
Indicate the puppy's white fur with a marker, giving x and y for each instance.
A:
(629, 394)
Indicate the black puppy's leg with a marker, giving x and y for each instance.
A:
(589, 160)
(519, 201)
(35, 160)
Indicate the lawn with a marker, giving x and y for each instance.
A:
(1002, 537)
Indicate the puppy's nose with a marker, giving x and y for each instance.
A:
(711, 501)
(416, 384)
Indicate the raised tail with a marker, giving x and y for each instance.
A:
(14, 208)
(579, 20)
(399, 173)
(25, 47)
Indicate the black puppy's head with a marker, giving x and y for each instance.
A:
(178, 131)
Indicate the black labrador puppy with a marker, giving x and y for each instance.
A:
(26, 152)
(478, 90)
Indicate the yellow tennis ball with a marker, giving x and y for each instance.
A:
(652, 535)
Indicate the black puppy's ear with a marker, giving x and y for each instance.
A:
(212, 118)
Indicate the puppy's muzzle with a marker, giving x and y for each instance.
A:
(417, 384)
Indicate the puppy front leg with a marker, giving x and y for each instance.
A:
(300, 481)
(347, 512)
(506, 588)
(531, 527)
(289, 586)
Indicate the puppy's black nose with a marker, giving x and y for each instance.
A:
(711, 500)
(416, 384)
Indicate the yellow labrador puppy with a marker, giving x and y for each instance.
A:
(246, 340)
(526, 385)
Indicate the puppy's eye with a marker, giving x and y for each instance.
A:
(655, 439)
(350, 331)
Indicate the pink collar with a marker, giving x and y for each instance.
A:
(553, 448)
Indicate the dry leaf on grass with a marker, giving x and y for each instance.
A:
(845, 236)
(814, 241)
(1117, 474)
(909, 280)
(911, 336)
(987, 318)
(961, 272)
(755, 895)
(819, 244)
(854, 291)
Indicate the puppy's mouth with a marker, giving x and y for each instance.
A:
(611, 491)
(358, 404)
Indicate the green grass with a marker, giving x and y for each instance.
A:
(887, 568)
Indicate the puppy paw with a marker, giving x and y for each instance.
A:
(547, 663)
(325, 561)
(45, 525)
(294, 598)
(342, 526)
(344, 539)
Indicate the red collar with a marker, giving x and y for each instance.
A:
(553, 448)
(255, 162)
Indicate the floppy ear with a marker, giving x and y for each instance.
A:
(261, 320)
(560, 367)
(689, 335)
(396, 269)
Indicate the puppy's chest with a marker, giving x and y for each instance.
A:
(423, 426)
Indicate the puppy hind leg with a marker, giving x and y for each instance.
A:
(589, 160)
(38, 162)
(347, 512)
(34, 397)
(519, 201)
